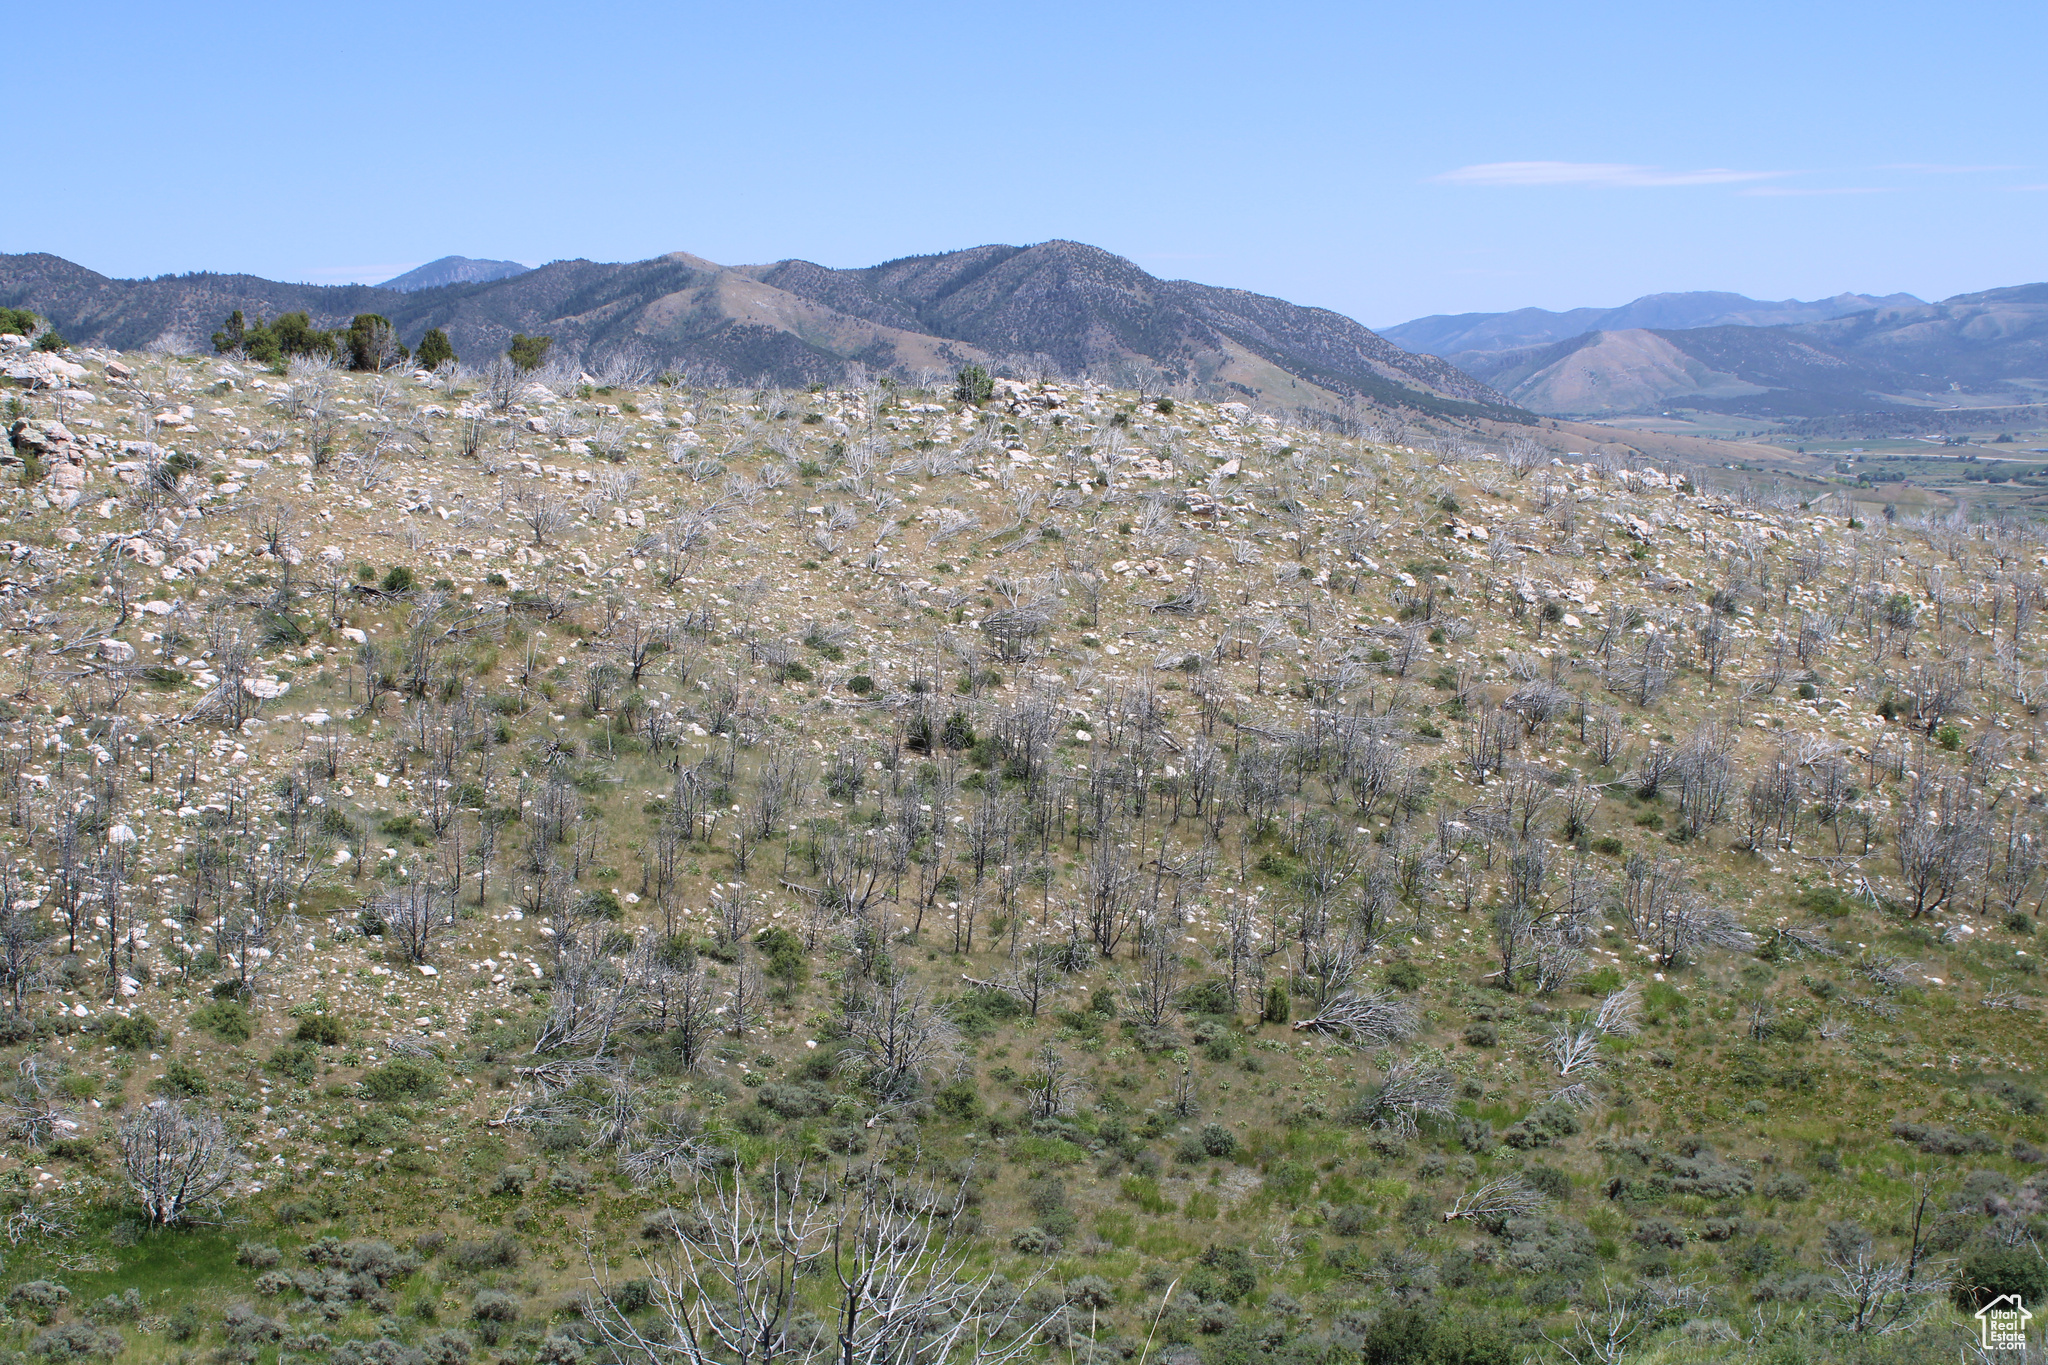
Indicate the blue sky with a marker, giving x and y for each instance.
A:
(1384, 160)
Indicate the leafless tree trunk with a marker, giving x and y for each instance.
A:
(1152, 991)
(412, 916)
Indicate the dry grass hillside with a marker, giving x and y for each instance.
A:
(498, 868)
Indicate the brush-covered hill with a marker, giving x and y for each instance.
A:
(527, 872)
(1072, 308)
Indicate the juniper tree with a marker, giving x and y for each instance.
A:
(528, 353)
(434, 350)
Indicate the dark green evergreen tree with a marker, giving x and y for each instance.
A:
(434, 348)
(528, 353)
(975, 386)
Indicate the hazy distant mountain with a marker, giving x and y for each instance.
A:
(453, 270)
(1989, 348)
(1449, 334)
(1070, 307)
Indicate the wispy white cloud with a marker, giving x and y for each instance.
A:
(2027, 187)
(1596, 174)
(1794, 191)
(1928, 168)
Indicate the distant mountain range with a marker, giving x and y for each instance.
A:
(1852, 354)
(453, 270)
(1064, 306)
(1448, 334)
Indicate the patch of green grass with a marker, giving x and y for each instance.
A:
(1144, 1191)
(1047, 1151)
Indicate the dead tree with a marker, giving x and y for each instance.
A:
(899, 1037)
(1371, 1020)
(175, 1158)
(1497, 1201)
(902, 1288)
(1407, 1093)
(544, 514)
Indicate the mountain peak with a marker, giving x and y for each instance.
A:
(453, 270)
(693, 262)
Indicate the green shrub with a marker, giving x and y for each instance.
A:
(294, 334)
(372, 343)
(323, 1030)
(17, 322)
(434, 349)
(1605, 981)
(512, 1181)
(38, 1299)
(796, 1101)
(501, 1252)
(123, 1307)
(227, 1020)
(1034, 1241)
(1544, 1125)
(258, 1256)
(1991, 1271)
(785, 954)
(1787, 1186)
(183, 1323)
(1547, 1246)
(528, 353)
(980, 1012)
(959, 1100)
(77, 1341)
(398, 579)
(398, 1079)
(494, 1305)
(974, 386)
(1222, 1275)
(1405, 976)
(136, 1033)
(295, 1061)
(181, 1081)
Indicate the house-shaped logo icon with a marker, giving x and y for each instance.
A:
(2003, 1323)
